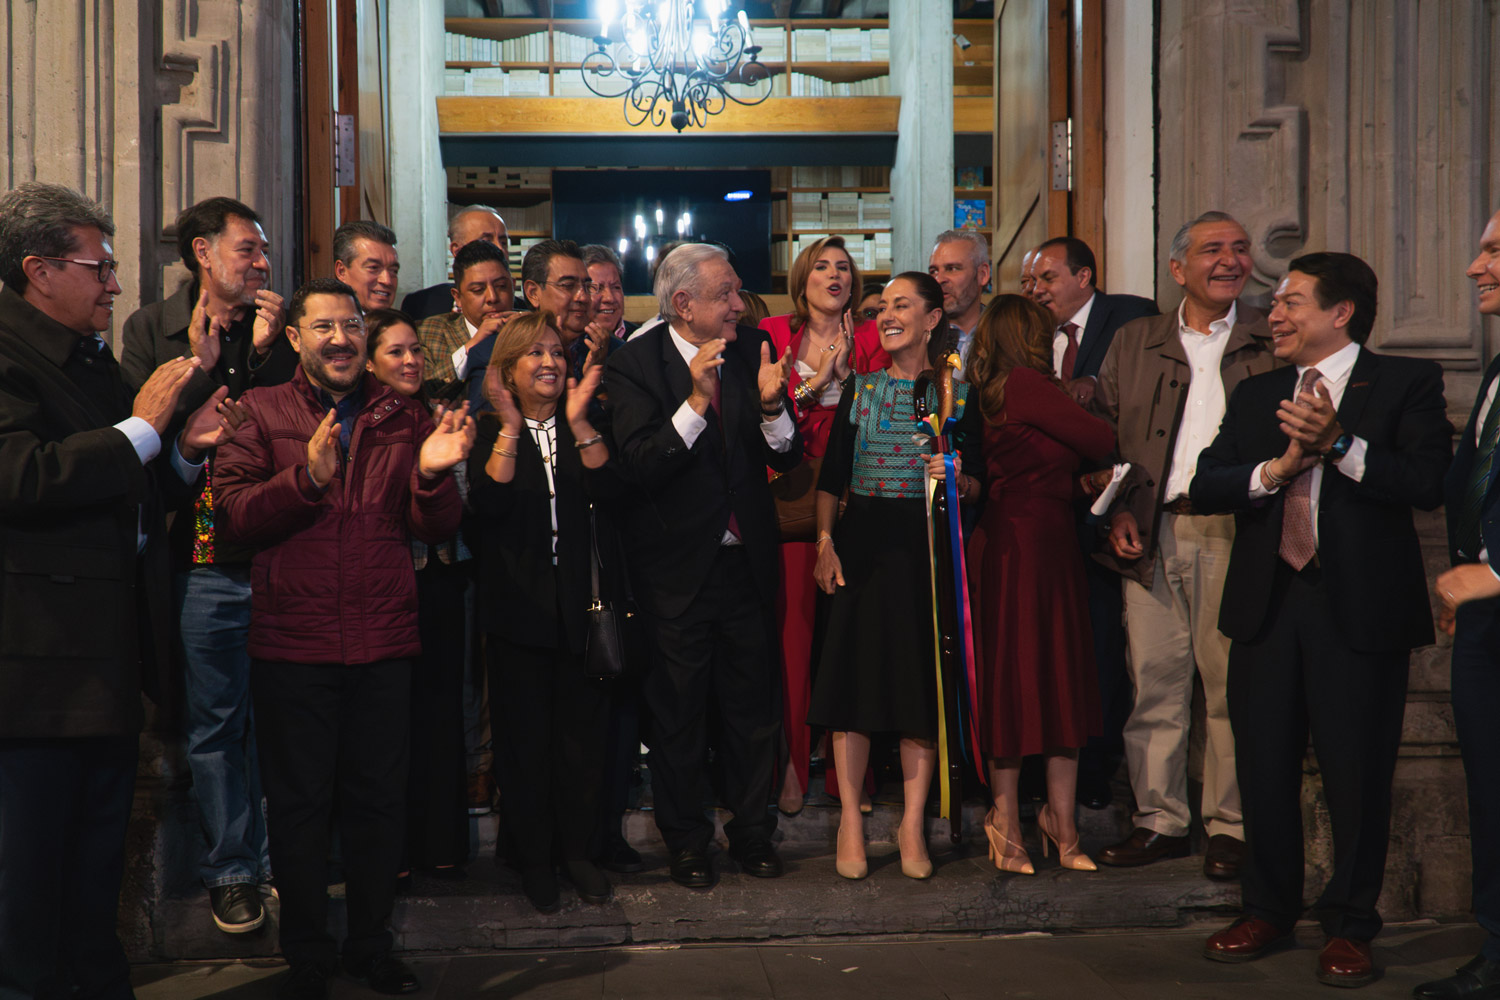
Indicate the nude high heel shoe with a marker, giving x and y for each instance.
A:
(1004, 854)
(918, 868)
(847, 867)
(1069, 856)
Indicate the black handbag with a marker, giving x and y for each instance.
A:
(604, 655)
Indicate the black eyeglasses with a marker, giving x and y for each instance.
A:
(104, 267)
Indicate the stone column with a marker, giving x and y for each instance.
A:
(922, 178)
(419, 187)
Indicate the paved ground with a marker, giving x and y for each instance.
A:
(1132, 965)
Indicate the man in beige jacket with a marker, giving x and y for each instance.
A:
(1164, 384)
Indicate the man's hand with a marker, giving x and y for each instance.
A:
(598, 339)
(1082, 390)
(1288, 466)
(488, 327)
(203, 333)
(157, 399)
(772, 377)
(1094, 483)
(1461, 584)
(211, 425)
(323, 452)
(270, 321)
(1311, 420)
(448, 444)
(1125, 536)
(704, 371)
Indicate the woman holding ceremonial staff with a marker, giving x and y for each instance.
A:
(876, 672)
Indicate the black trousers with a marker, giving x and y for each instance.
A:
(326, 733)
(1106, 618)
(1298, 676)
(437, 814)
(720, 652)
(1476, 708)
(549, 724)
(64, 809)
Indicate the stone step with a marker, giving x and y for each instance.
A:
(487, 911)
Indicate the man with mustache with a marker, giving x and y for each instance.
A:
(1164, 383)
(331, 475)
(1325, 598)
(457, 344)
(364, 258)
(227, 318)
(86, 475)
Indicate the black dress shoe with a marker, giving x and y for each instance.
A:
(690, 868)
(621, 857)
(540, 886)
(1094, 791)
(386, 974)
(304, 982)
(1480, 978)
(236, 907)
(590, 882)
(1222, 859)
(757, 857)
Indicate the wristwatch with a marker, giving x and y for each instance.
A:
(1340, 447)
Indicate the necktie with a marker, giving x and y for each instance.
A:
(734, 523)
(1070, 353)
(1466, 531)
(1297, 546)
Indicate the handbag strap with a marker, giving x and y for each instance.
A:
(594, 556)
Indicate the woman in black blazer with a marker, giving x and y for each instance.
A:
(536, 465)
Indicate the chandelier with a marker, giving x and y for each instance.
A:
(660, 59)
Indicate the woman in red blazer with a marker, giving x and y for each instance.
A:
(826, 345)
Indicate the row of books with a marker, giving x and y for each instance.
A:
(499, 177)
(491, 81)
(841, 44)
(807, 210)
(869, 253)
(465, 48)
(830, 177)
(806, 85)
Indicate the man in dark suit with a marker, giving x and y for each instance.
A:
(1470, 593)
(85, 607)
(1325, 598)
(1062, 276)
(477, 222)
(698, 410)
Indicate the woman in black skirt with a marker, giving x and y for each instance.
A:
(876, 672)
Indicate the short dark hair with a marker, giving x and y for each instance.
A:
(1342, 277)
(538, 260)
(317, 286)
(598, 253)
(477, 252)
(39, 220)
(1077, 254)
(360, 229)
(207, 219)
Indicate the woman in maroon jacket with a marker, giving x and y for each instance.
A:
(329, 476)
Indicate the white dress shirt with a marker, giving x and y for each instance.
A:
(544, 433)
(461, 356)
(1060, 338)
(1204, 409)
(778, 432)
(965, 341)
(1334, 370)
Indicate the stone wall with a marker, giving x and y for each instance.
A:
(1369, 126)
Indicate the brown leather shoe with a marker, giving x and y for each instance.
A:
(1221, 861)
(1246, 939)
(1142, 847)
(1345, 962)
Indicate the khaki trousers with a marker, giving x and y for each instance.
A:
(1173, 628)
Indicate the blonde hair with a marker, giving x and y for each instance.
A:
(515, 339)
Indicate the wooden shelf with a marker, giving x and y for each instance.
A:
(601, 115)
(499, 197)
(480, 64)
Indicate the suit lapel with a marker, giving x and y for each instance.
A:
(1357, 392)
(1093, 331)
(675, 372)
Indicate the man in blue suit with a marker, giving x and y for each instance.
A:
(1470, 592)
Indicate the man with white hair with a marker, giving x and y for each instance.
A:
(960, 262)
(698, 410)
(477, 222)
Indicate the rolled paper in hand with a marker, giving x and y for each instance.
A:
(1101, 505)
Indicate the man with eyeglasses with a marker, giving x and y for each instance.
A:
(555, 277)
(86, 476)
(225, 316)
(332, 473)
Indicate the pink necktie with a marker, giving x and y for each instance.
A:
(1297, 546)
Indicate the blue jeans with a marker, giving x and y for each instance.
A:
(213, 604)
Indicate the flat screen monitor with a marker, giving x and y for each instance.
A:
(637, 212)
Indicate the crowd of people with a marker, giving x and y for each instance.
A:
(386, 517)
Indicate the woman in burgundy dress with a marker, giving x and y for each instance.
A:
(827, 343)
(1028, 595)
